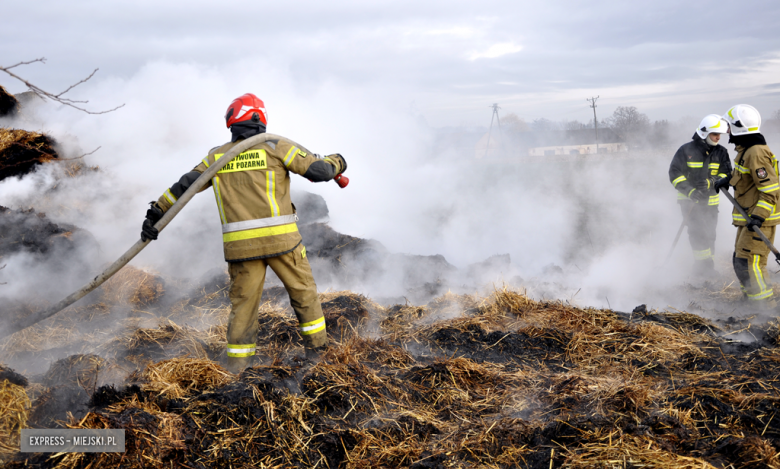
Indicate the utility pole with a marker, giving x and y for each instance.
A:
(495, 107)
(592, 102)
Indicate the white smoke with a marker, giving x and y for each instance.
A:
(607, 223)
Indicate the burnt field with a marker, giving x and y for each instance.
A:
(463, 381)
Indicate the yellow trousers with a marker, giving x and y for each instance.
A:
(246, 288)
(750, 256)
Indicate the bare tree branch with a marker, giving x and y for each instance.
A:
(57, 97)
(78, 157)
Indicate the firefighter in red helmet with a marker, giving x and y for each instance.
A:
(259, 226)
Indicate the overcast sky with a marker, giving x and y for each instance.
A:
(444, 60)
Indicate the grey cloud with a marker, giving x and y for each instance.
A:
(388, 45)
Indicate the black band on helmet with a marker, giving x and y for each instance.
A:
(230, 113)
(737, 124)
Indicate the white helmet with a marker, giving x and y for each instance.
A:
(744, 119)
(712, 124)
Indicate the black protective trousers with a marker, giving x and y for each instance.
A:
(702, 221)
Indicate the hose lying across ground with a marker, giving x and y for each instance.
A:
(140, 245)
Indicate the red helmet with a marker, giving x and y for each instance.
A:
(246, 108)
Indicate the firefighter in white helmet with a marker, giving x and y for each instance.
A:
(756, 189)
(695, 168)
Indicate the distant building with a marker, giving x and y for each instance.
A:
(578, 149)
(564, 142)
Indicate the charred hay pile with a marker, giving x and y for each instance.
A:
(462, 381)
(21, 151)
(31, 235)
(9, 105)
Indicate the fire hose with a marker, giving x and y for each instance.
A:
(756, 230)
(196, 186)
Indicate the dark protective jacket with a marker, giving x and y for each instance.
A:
(755, 180)
(695, 166)
(253, 195)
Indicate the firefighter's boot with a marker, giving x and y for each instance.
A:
(705, 269)
(236, 365)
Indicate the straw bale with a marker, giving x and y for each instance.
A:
(133, 286)
(179, 377)
(14, 412)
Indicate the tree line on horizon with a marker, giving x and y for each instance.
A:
(632, 126)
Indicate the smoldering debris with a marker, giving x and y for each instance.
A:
(462, 381)
(28, 231)
(341, 261)
(33, 247)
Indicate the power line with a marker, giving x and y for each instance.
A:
(592, 102)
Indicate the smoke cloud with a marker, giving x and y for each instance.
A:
(590, 230)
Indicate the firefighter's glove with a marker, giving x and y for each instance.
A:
(722, 183)
(754, 223)
(704, 184)
(153, 215)
(699, 196)
(340, 160)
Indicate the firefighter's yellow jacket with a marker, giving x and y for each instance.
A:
(253, 195)
(755, 184)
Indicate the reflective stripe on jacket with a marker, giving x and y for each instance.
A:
(694, 164)
(253, 196)
(755, 184)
